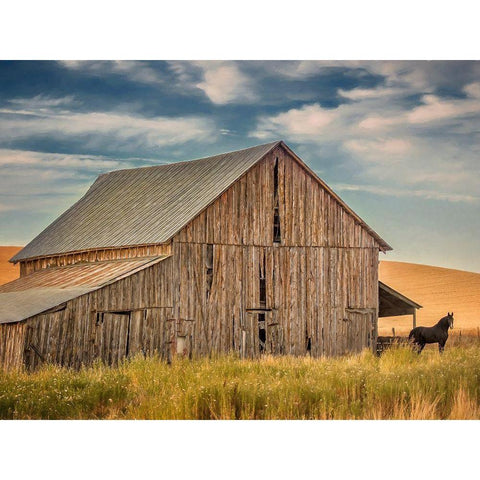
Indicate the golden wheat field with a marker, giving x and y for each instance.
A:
(438, 290)
(8, 271)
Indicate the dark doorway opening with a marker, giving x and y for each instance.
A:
(277, 236)
(262, 333)
(262, 282)
(309, 345)
(208, 269)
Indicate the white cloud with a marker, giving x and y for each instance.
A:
(368, 93)
(388, 146)
(135, 130)
(136, 71)
(404, 74)
(378, 123)
(305, 123)
(433, 111)
(224, 83)
(429, 150)
(402, 192)
(221, 81)
(437, 110)
(26, 158)
(40, 102)
(473, 90)
(40, 105)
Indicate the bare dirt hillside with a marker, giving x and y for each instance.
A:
(8, 271)
(438, 290)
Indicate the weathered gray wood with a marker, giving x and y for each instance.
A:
(321, 283)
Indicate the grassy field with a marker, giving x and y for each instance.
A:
(399, 385)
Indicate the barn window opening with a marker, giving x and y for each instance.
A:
(99, 319)
(262, 333)
(208, 270)
(277, 237)
(262, 284)
(181, 345)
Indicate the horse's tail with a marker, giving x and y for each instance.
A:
(412, 333)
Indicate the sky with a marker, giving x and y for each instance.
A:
(399, 141)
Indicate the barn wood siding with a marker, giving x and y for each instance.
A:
(321, 282)
(12, 344)
(309, 215)
(325, 264)
(30, 266)
(309, 289)
(73, 336)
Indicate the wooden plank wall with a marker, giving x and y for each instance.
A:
(309, 215)
(74, 336)
(12, 342)
(29, 266)
(325, 263)
(308, 291)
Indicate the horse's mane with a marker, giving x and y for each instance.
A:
(443, 321)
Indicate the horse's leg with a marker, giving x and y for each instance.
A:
(422, 346)
(441, 347)
(416, 347)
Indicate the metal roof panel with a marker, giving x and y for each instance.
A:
(142, 205)
(48, 288)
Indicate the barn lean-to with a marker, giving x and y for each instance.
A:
(247, 251)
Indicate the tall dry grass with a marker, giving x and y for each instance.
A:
(398, 385)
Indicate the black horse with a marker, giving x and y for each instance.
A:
(436, 334)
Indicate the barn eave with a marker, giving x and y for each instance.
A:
(393, 303)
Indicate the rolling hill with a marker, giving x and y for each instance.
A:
(8, 271)
(438, 290)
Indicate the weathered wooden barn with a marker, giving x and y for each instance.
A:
(247, 251)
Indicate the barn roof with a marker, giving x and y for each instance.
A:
(150, 205)
(46, 289)
(392, 303)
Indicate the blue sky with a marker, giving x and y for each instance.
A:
(398, 141)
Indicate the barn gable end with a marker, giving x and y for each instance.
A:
(310, 213)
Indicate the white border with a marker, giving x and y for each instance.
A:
(251, 29)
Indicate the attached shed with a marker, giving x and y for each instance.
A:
(247, 251)
(393, 304)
